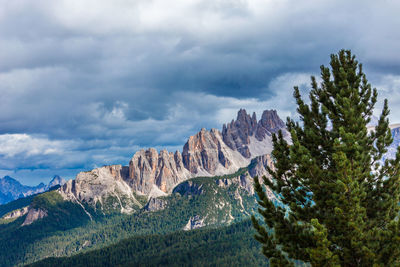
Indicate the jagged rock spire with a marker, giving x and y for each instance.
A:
(269, 123)
(237, 133)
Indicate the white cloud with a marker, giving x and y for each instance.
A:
(26, 145)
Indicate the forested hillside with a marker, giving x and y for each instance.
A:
(227, 246)
(207, 202)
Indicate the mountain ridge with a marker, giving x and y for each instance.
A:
(151, 173)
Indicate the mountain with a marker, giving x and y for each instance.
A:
(249, 137)
(69, 228)
(153, 174)
(11, 189)
(56, 181)
(206, 185)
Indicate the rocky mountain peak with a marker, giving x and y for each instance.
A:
(205, 153)
(9, 179)
(198, 149)
(269, 123)
(57, 180)
(245, 121)
(237, 134)
(254, 117)
(97, 186)
(10, 182)
(201, 140)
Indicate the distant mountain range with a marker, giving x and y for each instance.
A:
(11, 189)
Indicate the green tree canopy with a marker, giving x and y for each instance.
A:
(341, 194)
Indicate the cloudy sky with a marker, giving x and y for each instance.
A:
(87, 83)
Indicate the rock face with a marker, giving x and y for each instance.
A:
(155, 204)
(57, 180)
(244, 181)
(33, 215)
(259, 164)
(236, 134)
(16, 213)
(206, 154)
(148, 168)
(194, 223)
(101, 185)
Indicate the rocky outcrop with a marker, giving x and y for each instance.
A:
(237, 133)
(56, 181)
(148, 168)
(16, 213)
(34, 215)
(194, 223)
(155, 204)
(244, 181)
(189, 188)
(258, 165)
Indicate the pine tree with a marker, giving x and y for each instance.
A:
(341, 195)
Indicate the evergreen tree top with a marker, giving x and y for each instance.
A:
(342, 198)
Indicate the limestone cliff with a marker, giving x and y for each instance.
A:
(206, 154)
(33, 215)
(164, 169)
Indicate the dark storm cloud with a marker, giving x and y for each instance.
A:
(87, 83)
